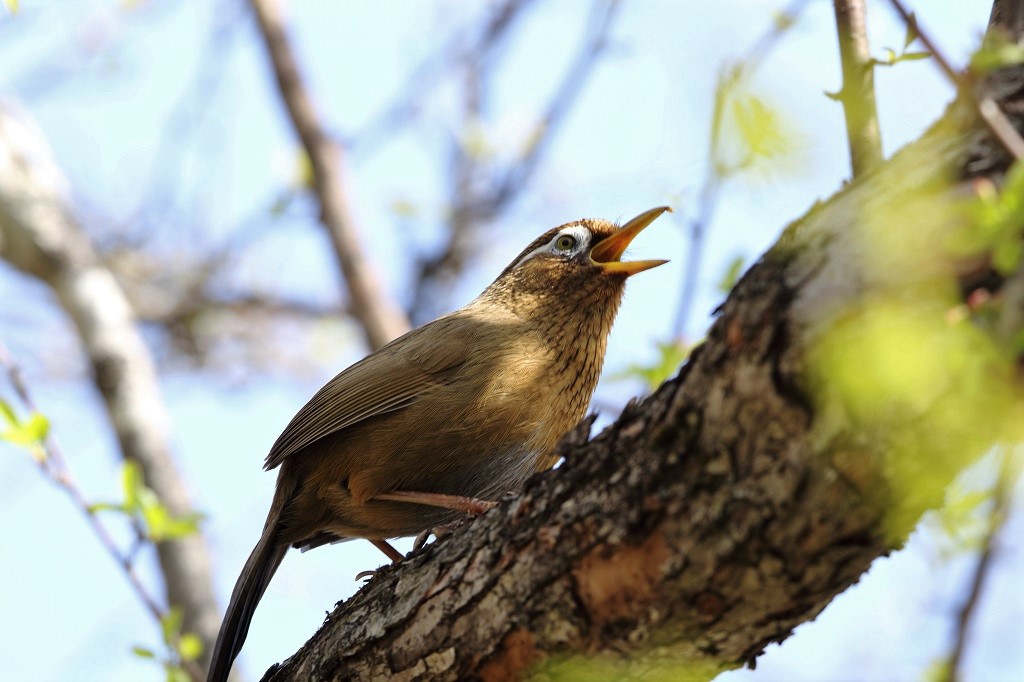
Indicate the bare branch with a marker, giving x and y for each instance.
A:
(39, 235)
(380, 318)
(989, 112)
(858, 91)
(473, 205)
(55, 467)
(1002, 498)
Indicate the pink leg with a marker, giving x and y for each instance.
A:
(470, 505)
(392, 553)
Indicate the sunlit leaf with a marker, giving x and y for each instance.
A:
(731, 275)
(171, 624)
(914, 56)
(759, 127)
(305, 177)
(189, 647)
(29, 432)
(912, 33)
(131, 484)
(7, 412)
(176, 673)
(671, 356)
(143, 652)
(12, 6)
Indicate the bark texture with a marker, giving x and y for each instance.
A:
(714, 516)
(40, 236)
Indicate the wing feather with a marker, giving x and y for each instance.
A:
(386, 381)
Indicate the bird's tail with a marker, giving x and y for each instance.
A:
(252, 583)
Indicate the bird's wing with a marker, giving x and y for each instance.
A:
(390, 379)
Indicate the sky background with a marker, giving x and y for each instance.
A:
(116, 89)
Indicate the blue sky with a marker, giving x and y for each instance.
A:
(636, 139)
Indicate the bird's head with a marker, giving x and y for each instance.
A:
(577, 265)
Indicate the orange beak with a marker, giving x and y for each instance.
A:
(609, 250)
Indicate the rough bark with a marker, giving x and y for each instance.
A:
(39, 235)
(716, 515)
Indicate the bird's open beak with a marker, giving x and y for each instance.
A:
(608, 251)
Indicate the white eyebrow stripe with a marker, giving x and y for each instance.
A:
(581, 234)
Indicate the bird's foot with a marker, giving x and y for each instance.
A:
(438, 532)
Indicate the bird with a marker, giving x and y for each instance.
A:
(449, 417)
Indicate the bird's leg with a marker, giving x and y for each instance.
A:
(469, 505)
(390, 551)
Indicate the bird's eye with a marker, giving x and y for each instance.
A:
(565, 243)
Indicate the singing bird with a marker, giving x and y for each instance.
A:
(448, 417)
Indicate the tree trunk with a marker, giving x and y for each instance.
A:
(733, 504)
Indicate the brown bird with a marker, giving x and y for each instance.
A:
(447, 417)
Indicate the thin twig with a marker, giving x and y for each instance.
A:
(717, 171)
(991, 115)
(858, 91)
(472, 205)
(55, 468)
(424, 78)
(379, 317)
(1002, 497)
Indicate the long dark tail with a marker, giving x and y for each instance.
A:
(252, 583)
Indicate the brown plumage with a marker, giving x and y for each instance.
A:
(468, 405)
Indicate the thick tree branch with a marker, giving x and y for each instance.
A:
(39, 235)
(735, 503)
(380, 318)
(858, 91)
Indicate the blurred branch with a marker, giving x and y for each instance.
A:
(473, 205)
(858, 91)
(40, 236)
(718, 170)
(1002, 501)
(423, 78)
(55, 468)
(380, 318)
(989, 112)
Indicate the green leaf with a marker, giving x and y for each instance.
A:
(912, 32)
(143, 652)
(131, 484)
(96, 507)
(937, 671)
(8, 412)
(176, 673)
(189, 647)
(30, 432)
(12, 6)
(913, 56)
(671, 356)
(171, 624)
(731, 275)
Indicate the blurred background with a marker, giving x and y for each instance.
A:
(465, 130)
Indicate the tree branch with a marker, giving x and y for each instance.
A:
(732, 505)
(39, 235)
(858, 91)
(989, 112)
(379, 317)
(1002, 497)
